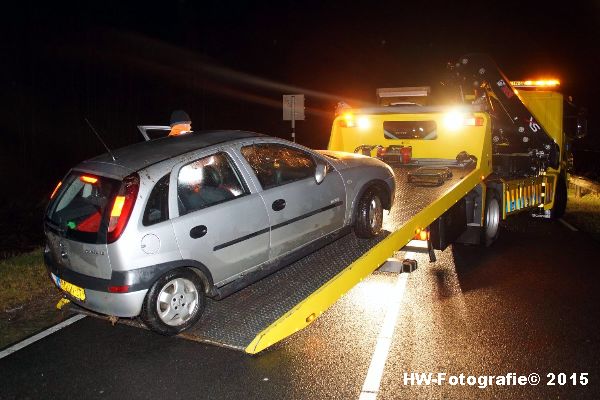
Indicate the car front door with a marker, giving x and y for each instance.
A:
(219, 222)
(300, 209)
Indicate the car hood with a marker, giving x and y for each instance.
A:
(343, 160)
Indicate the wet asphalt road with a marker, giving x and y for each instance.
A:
(529, 304)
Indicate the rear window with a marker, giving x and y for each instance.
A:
(80, 210)
(424, 130)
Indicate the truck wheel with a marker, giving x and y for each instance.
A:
(174, 302)
(491, 222)
(369, 218)
(560, 198)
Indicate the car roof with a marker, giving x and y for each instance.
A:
(141, 155)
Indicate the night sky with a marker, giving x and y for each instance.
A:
(228, 64)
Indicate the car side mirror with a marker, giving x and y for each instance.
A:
(320, 173)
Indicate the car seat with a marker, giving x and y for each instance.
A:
(212, 177)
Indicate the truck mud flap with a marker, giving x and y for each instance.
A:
(289, 300)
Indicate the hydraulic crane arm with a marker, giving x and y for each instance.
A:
(526, 135)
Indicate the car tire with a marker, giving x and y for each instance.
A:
(174, 303)
(369, 215)
(560, 199)
(492, 218)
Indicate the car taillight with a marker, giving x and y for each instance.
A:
(122, 207)
(381, 151)
(55, 190)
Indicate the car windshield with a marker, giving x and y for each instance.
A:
(79, 210)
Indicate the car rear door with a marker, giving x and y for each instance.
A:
(219, 221)
(300, 210)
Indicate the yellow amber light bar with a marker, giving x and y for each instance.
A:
(536, 83)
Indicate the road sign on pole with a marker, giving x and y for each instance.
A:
(293, 110)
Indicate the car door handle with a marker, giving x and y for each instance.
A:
(278, 205)
(198, 231)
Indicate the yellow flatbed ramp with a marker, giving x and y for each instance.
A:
(287, 301)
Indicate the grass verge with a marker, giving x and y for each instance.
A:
(24, 278)
(27, 298)
(584, 213)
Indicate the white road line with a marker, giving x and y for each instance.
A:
(568, 225)
(384, 340)
(41, 335)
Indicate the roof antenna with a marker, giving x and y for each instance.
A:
(100, 139)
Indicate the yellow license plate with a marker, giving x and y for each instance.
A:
(73, 290)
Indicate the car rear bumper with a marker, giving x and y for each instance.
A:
(97, 296)
(117, 304)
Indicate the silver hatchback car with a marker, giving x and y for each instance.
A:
(166, 223)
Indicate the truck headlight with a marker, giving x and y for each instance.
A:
(453, 120)
(363, 122)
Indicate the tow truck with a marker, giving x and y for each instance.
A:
(514, 135)
(460, 170)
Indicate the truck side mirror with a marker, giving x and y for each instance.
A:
(581, 128)
(320, 172)
(575, 120)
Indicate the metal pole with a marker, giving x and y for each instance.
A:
(294, 119)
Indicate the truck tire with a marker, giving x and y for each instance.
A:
(369, 215)
(174, 302)
(492, 218)
(560, 198)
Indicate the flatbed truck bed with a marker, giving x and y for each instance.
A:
(289, 300)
